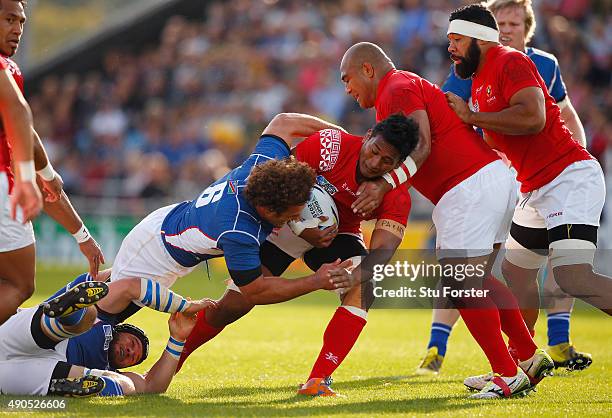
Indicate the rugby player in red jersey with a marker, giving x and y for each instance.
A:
(474, 194)
(342, 161)
(562, 185)
(17, 251)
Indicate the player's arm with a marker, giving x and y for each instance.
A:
(159, 377)
(265, 290)
(572, 121)
(294, 126)
(526, 114)
(386, 237)
(17, 122)
(244, 266)
(149, 293)
(64, 214)
(51, 182)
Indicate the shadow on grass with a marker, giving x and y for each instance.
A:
(256, 401)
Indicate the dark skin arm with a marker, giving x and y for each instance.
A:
(386, 237)
(526, 114)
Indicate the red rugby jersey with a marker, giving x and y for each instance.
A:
(334, 155)
(5, 148)
(537, 158)
(457, 151)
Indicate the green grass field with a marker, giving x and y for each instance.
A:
(253, 367)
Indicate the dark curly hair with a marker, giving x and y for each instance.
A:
(279, 184)
(477, 13)
(400, 131)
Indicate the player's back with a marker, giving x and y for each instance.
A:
(195, 230)
(457, 151)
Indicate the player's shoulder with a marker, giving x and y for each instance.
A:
(10, 64)
(271, 146)
(543, 56)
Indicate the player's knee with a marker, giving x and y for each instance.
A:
(571, 278)
(25, 289)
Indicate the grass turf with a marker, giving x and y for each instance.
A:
(254, 366)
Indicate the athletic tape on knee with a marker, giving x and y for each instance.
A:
(567, 252)
(356, 311)
(522, 257)
(232, 286)
(111, 388)
(159, 297)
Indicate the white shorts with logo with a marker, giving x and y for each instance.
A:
(575, 196)
(25, 368)
(476, 214)
(143, 254)
(13, 234)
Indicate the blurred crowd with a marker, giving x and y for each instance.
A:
(166, 121)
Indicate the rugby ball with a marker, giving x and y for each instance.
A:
(319, 204)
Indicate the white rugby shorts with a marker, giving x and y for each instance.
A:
(13, 234)
(476, 213)
(25, 368)
(575, 196)
(143, 254)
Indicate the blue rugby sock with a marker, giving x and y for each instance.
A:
(439, 337)
(558, 328)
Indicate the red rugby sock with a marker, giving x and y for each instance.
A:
(340, 336)
(201, 333)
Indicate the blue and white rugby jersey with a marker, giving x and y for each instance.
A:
(90, 349)
(547, 66)
(220, 222)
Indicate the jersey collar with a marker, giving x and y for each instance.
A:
(490, 56)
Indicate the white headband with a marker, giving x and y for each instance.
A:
(474, 30)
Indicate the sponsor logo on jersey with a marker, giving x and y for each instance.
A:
(554, 214)
(232, 187)
(108, 335)
(330, 148)
(327, 186)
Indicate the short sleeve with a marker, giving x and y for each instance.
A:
(395, 206)
(272, 146)
(518, 72)
(241, 257)
(454, 84)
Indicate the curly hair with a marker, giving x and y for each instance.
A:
(279, 184)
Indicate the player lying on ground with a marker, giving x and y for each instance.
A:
(562, 185)
(474, 195)
(516, 21)
(342, 162)
(62, 347)
(230, 219)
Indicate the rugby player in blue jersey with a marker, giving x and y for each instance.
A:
(63, 347)
(231, 218)
(516, 22)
